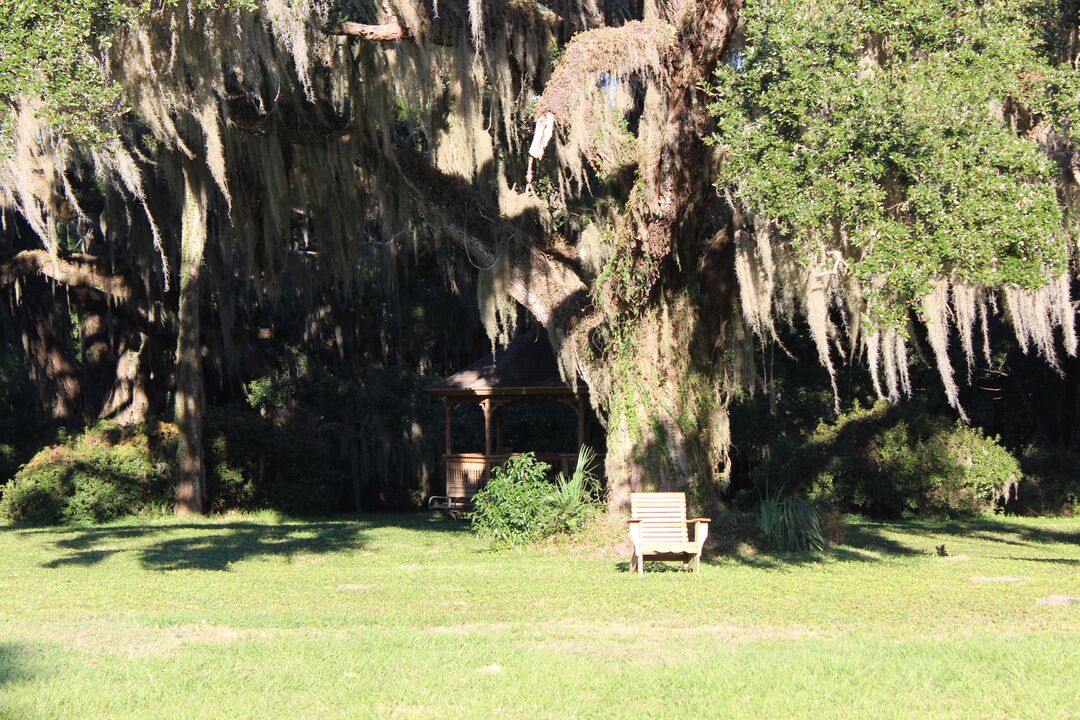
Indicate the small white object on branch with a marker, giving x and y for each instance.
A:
(545, 126)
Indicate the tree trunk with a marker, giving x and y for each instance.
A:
(99, 360)
(47, 342)
(680, 225)
(191, 474)
(128, 402)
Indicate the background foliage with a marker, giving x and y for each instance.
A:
(909, 135)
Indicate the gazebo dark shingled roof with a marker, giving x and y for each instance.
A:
(525, 366)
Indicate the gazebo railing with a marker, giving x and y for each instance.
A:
(466, 473)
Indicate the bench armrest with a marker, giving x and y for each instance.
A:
(701, 530)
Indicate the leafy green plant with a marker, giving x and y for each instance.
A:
(790, 523)
(520, 504)
(513, 507)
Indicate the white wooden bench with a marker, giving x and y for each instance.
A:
(659, 530)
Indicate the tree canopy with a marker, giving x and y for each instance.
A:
(661, 185)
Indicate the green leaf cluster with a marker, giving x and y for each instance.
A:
(905, 133)
(790, 523)
(55, 53)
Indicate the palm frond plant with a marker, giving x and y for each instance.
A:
(790, 523)
(575, 500)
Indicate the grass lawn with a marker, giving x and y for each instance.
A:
(410, 616)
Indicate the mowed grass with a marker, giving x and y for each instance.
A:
(410, 616)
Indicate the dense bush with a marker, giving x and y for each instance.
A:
(110, 471)
(106, 472)
(519, 504)
(1051, 481)
(890, 460)
(512, 506)
(253, 464)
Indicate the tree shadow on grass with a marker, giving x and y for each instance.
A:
(655, 566)
(991, 529)
(217, 545)
(870, 541)
(1051, 561)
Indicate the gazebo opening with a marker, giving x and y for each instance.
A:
(508, 403)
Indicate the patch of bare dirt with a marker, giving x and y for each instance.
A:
(471, 628)
(118, 638)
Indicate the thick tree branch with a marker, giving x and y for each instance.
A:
(387, 32)
(79, 271)
(546, 286)
(90, 287)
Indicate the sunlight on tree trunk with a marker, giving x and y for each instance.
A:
(191, 475)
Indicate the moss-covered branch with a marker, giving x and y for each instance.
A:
(386, 32)
(82, 271)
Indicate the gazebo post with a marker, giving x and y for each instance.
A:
(449, 424)
(487, 407)
(500, 410)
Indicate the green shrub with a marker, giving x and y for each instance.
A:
(102, 474)
(520, 505)
(790, 523)
(513, 507)
(890, 460)
(1051, 481)
(253, 464)
(37, 496)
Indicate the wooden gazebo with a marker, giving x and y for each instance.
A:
(525, 371)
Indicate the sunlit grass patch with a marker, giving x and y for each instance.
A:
(412, 616)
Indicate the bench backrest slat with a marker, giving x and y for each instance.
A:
(662, 515)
